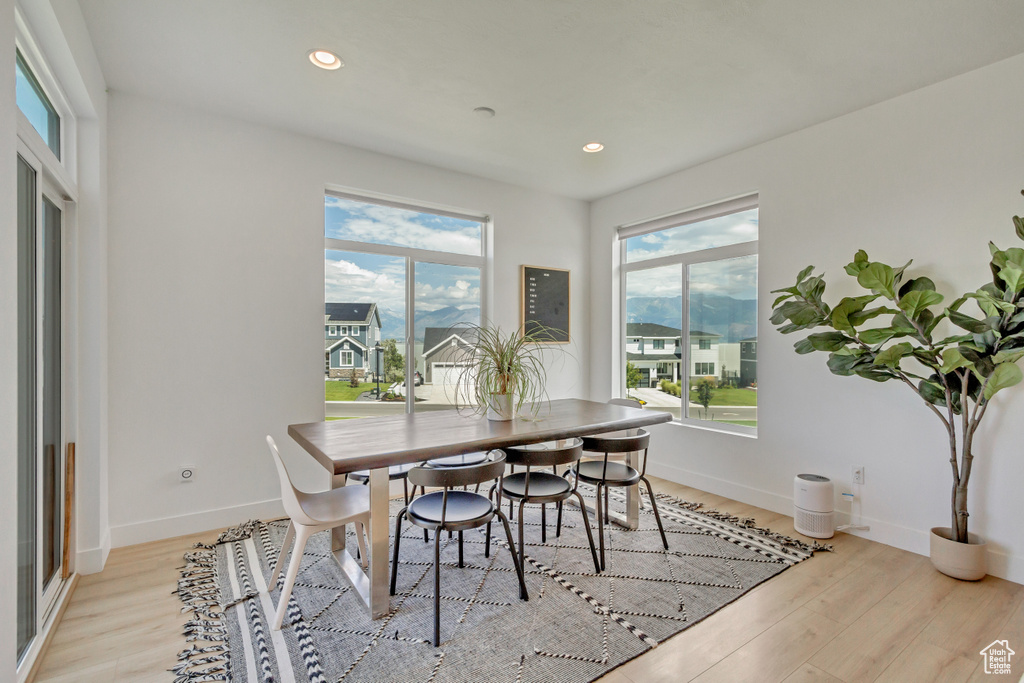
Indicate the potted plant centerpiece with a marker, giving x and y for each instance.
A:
(956, 376)
(505, 370)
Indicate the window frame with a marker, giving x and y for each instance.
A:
(683, 261)
(351, 358)
(62, 167)
(414, 256)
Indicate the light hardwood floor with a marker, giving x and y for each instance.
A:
(866, 612)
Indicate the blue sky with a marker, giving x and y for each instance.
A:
(371, 278)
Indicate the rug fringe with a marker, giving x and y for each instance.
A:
(748, 523)
(199, 594)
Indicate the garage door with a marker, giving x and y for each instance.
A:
(445, 374)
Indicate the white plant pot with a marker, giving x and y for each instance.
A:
(967, 561)
(500, 407)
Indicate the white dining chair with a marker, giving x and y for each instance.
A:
(308, 514)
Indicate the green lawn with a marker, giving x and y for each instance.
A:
(343, 391)
(729, 397)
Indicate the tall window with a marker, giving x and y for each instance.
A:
(406, 280)
(695, 272)
(44, 224)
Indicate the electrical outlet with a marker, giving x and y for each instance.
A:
(858, 474)
(186, 473)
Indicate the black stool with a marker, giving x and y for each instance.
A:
(453, 510)
(542, 487)
(604, 474)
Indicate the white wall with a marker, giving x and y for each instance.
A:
(216, 300)
(932, 175)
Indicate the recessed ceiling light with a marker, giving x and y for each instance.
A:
(325, 59)
(593, 147)
(484, 112)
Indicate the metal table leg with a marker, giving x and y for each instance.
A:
(373, 589)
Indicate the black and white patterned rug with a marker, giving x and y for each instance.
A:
(576, 626)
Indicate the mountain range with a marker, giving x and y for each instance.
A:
(734, 319)
(393, 322)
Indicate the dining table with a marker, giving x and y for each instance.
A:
(377, 443)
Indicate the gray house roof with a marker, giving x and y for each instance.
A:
(433, 336)
(651, 330)
(360, 314)
(656, 357)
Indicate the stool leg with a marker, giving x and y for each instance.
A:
(590, 536)
(543, 523)
(523, 595)
(437, 587)
(487, 543)
(398, 539)
(522, 543)
(461, 564)
(600, 523)
(657, 517)
(558, 526)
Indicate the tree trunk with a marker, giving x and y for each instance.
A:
(959, 531)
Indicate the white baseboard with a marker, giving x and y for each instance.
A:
(93, 560)
(914, 540)
(196, 522)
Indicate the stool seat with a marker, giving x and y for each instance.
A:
(542, 485)
(464, 508)
(461, 460)
(618, 474)
(394, 472)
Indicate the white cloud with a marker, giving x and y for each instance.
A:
(388, 225)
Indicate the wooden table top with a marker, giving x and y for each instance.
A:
(343, 446)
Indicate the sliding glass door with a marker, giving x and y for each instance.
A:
(40, 404)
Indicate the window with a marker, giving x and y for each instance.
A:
(344, 330)
(346, 359)
(695, 274)
(333, 330)
(35, 105)
(414, 274)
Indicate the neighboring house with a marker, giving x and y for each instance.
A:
(446, 351)
(748, 362)
(655, 350)
(350, 333)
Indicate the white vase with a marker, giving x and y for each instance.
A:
(500, 407)
(967, 561)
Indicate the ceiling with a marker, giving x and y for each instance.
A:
(664, 84)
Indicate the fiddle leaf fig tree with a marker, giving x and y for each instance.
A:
(889, 334)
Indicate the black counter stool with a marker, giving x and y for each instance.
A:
(542, 487)
(604, 474)
(453, 510)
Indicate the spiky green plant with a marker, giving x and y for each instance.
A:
(503, 363)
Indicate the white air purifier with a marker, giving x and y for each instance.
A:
(814, 506)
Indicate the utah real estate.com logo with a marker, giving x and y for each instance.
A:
(997, 657)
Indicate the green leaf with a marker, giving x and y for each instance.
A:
(1011, 356)
(804, 273)
(932, 392)
(843, 364)
(891, 356)
(812, 288)
(915, 301)
(799, 313)
(898, 272)
(1018, 224)
(955, 339)
(873, 373)
(879, 278)
(1013, 277)
(860, 262)
(952, 360)
(1014, 257)
(967, 322)
(849, 305)
(1004, 375)
(877, 335)
(861, 317)
(828, 341)
(804, 346)
(917, 283)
